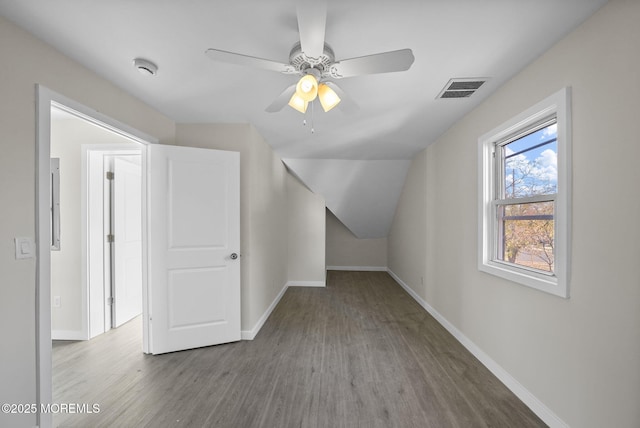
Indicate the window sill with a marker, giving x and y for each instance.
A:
(540, 281)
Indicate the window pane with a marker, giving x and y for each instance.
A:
(527, 235)
(531, 164)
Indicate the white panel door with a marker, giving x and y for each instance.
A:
(194, 242)
(127, 229)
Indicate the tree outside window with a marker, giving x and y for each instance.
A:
(527, 180)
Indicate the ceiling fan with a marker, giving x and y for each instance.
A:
(314, 60)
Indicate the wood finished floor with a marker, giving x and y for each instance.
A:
(358, 353)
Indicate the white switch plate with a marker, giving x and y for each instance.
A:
(24, 248)
(56, 301)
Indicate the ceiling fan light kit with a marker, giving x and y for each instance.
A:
(301, 98)
(314, 60)
(308, 89)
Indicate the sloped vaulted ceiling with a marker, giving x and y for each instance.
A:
(363, 194)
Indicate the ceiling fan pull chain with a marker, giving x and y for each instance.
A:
(312, 108)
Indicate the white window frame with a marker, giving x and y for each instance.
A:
(557, 105)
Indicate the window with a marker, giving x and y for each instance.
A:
(524, 197)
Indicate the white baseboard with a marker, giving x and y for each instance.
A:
(306, 284)
(251, 334)
(360, 268)
(68, 335)
(530, 400)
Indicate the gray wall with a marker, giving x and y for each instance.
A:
(347, 251)
(305, 216)
(580, 357)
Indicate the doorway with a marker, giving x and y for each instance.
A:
(123, 254)
(113, 238)
(83, 274)
(46, 99)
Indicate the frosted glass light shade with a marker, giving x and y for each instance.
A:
(328, 97)
(307, 88)
(298, 103)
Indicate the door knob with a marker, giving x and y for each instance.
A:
(234, 256)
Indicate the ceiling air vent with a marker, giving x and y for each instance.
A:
(461, 88)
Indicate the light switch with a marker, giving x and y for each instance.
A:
(24, 248)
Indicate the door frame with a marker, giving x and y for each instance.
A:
(45, 100)
(93, 251)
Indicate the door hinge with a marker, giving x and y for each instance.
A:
(111, 238)
(109, 301)
(110, 175)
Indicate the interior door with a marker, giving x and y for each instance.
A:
(194, 242)
(127, 246)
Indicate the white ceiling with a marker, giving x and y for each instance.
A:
(398, 115)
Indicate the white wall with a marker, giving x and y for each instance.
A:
(25, 62)
(347, 251)
(580, 357)
(306, 234)
(67, 137)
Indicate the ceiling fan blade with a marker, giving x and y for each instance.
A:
(312, 18)
(346, 104)
(282, 100)
(385, 62)
(250, 61)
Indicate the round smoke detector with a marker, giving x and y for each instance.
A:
(145, 67)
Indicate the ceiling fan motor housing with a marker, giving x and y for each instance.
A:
(308, 65)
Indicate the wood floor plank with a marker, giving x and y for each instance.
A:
(358, 353)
